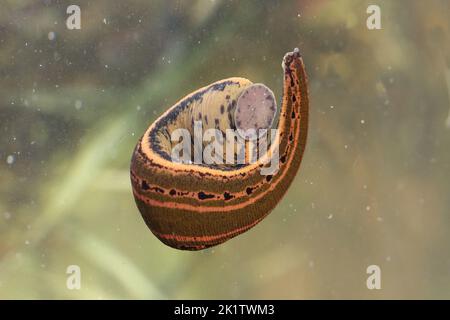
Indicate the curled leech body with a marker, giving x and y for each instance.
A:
(194, 206)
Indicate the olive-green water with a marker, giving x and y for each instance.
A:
(373, 188)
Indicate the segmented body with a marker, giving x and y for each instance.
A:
(191, 206)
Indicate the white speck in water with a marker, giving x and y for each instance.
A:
(299, 15)
(104, 20)
(345, 146)
(311, 264)
(330, 216)
(363, 121)
(27, 242)
(138, 108)
(10, 159)
(331, 107)
(7, 215)
(367, 208)
(78, 104)
(51, 36)
(388, 258)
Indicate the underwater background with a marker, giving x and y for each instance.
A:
(373, 187)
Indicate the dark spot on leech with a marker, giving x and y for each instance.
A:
(294, 98)
(293, 115)
(283, 159)
(227, 97)
(272, 107)
(199, 115)
(222, 109)
(269, 97)
(206, 119)
(203, 196)
(291, 137)
(249, 190)
(216, 121)
(227, 196)
(268, 178)
(230, 119)
(173, 192)
(144, 185)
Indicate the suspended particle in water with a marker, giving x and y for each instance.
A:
(10, 159)
(78, 104)
(51, 36)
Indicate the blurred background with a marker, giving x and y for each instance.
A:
(373, 186)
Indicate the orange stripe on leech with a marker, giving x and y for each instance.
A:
(182, 193)
(190, 169)
(147, 149)
(183, 206)
(180, 238)
(175, 205)
(195, 169)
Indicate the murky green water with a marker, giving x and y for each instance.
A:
(373, 188)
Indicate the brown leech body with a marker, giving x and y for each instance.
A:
(191, 206)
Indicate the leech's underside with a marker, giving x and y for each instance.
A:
(195, 206)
